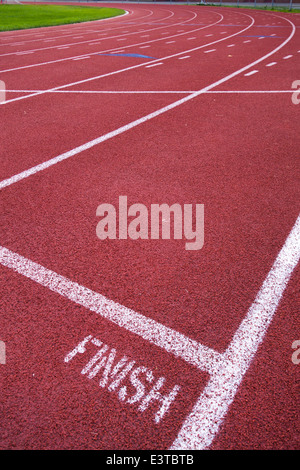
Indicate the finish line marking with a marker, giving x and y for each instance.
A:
(227, 370)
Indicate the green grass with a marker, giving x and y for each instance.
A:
(257, 7)
(14, 17)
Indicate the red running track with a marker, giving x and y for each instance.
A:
(142, 344)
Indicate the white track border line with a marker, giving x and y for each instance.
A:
(131, 125)
(203, 423)
(156, 333)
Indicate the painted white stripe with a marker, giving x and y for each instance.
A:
(202, 425)
(170, 340)
(154, 65)
(288, 56)
(231, 45)
(210, 50)
(82, 58)
(250, 73)
(184, 57)
(120, 130)
(270, 64)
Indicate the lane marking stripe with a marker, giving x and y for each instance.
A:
(170, 340)
(202, 425)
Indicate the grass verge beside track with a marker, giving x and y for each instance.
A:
(14, 17)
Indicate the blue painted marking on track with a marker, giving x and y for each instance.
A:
(140, 56)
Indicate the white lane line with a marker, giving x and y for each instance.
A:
(203, 423)
(156, 333)
(131, 125)
(82, 58)
(184, 57)
(250, 73)
(154, 65)
(207, 35)
(231, 45)
(210, 50)
(248, 40)
(62, 47)
(144, 47)
(190, 39)
(288, 56)
(23, 53)
(270, 64)
(170, 42)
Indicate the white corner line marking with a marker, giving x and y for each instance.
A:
(203, 423)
